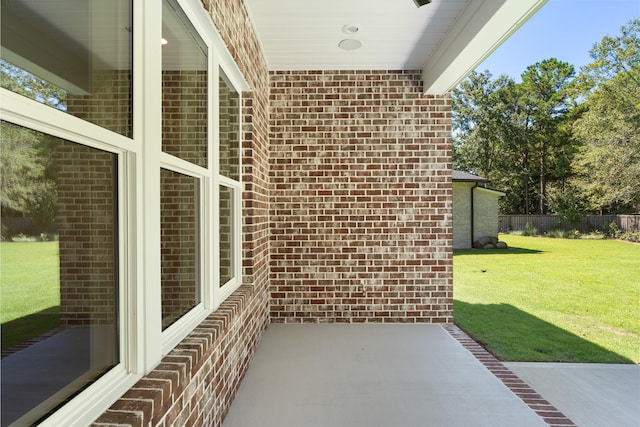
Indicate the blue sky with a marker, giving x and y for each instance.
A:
(564, 29)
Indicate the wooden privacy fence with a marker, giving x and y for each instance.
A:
(545, 223)
(22, 225)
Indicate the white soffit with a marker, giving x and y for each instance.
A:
(445, 39)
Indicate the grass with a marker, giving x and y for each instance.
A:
(552, 299)
(29, 290)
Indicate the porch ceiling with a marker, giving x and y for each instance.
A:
(446, 39)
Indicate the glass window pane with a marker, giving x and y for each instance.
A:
(58, 270)
(179, 240)
(226, 234)
(229, 101)
(184, 88)
(75, 56)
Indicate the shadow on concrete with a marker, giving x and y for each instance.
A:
(19, 330)
(514, 335)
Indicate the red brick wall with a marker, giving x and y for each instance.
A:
(179, 244)
(184, 115)
(110, 104)
(194, 385)
(86, 227)
(361, 198)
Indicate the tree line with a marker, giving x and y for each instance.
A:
(559, 141)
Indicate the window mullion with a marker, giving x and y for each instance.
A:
(215, 259)
(209, 190)
(148, 133)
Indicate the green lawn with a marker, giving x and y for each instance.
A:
(29, 290)
(552, 299)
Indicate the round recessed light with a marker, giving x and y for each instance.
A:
(350, 29)
(349, 44)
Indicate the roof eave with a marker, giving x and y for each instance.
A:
(483, 26)
(492, 191)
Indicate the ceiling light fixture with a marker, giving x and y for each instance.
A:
(421, 2)
(163, 41)
(349, 44)
(350, 29)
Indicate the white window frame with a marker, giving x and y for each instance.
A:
(212, 295)
(33, 115)
(223, 290)
(142, 341)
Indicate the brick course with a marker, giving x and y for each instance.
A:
(360, 198)
(194, 385)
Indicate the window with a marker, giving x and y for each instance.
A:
(229, 128)
(180, 247)
(121, 196)
(184, 88)
(229, 177)
(59, 308)
(227, 231)
(185, 140)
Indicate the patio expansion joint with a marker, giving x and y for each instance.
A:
(545, 410)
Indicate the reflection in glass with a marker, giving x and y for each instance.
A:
(179, 240)
(226, 234)
(58, 270)
(75, 56)
(229, 101)
(184, 88)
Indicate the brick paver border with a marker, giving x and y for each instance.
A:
(31, 341)
(549, 413)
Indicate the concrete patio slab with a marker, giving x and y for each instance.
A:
(371, 375)
(592, 395)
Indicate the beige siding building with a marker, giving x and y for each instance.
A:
(475, 210)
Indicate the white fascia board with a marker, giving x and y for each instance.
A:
(482, 27)
(491, 191)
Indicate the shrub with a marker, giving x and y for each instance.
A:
(593, 235)
(21, 237)
(557, 234)
(48, 237)
(6, 234)
(630, 236)
(564, 234)
(611, 230)
(530, 230)
(567, 203)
